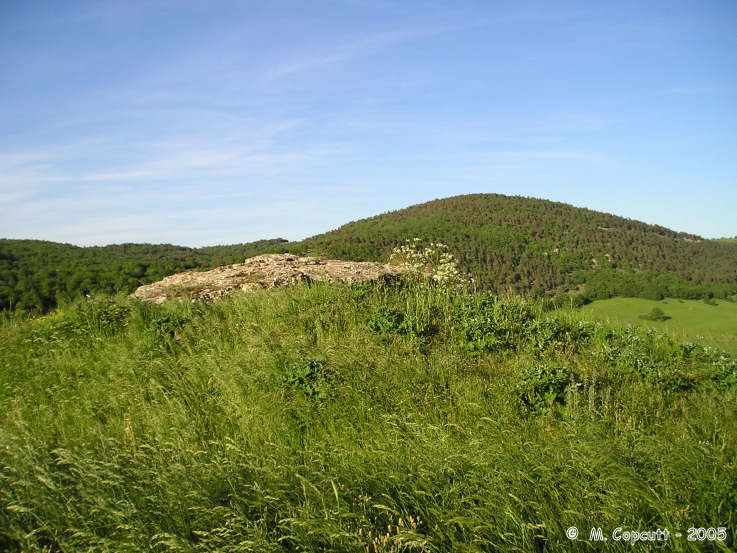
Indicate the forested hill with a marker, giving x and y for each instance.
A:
(539, 246)
(524, 244)
(36, 275)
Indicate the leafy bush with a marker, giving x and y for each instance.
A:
(560, 334)
(579, 300)
(708, 363)
(671, 366)
(309, 377)
(386, 319)
(419, 325)
(489, 322)
(656, 314)
(163, 328)
(542, 386)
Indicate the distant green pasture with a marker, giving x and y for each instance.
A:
(691, 320)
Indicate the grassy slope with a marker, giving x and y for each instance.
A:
(330, 418)
(690, 320)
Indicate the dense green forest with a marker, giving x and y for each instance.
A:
(527, 245)
(37, 275)
(543, 247)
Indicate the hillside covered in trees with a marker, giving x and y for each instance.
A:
(528, 245)
(538, 246)
(37, 275)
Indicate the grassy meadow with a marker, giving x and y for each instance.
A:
(379, 418)
(713, 323)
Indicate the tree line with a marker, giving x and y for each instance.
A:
(526, 245)
(540, 247)
(37, 275)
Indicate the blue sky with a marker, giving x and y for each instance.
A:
(213, 122)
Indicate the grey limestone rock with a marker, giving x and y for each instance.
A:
(263, 271)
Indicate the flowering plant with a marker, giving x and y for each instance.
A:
(433, 263)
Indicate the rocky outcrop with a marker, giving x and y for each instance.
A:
(263, 271)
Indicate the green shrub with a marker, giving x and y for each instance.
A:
(489, 322)
(656, 314)
(310, 377)
(386, 319)
(560, 334)
(541, 386)
(579, 300)
(165, 326)
(418, 324)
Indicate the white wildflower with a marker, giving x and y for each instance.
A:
(433, 263)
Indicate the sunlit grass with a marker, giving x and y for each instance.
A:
(690, 320)
(364, 418)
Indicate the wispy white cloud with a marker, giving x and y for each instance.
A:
(172, 172)
(228, 110)
(337, 54)
(363, 46)
(209, 163)
(231, 147)
(557, 155)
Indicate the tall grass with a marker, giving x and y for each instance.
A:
(361, 418)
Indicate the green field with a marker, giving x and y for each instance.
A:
(690, 320)
(383, 418)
